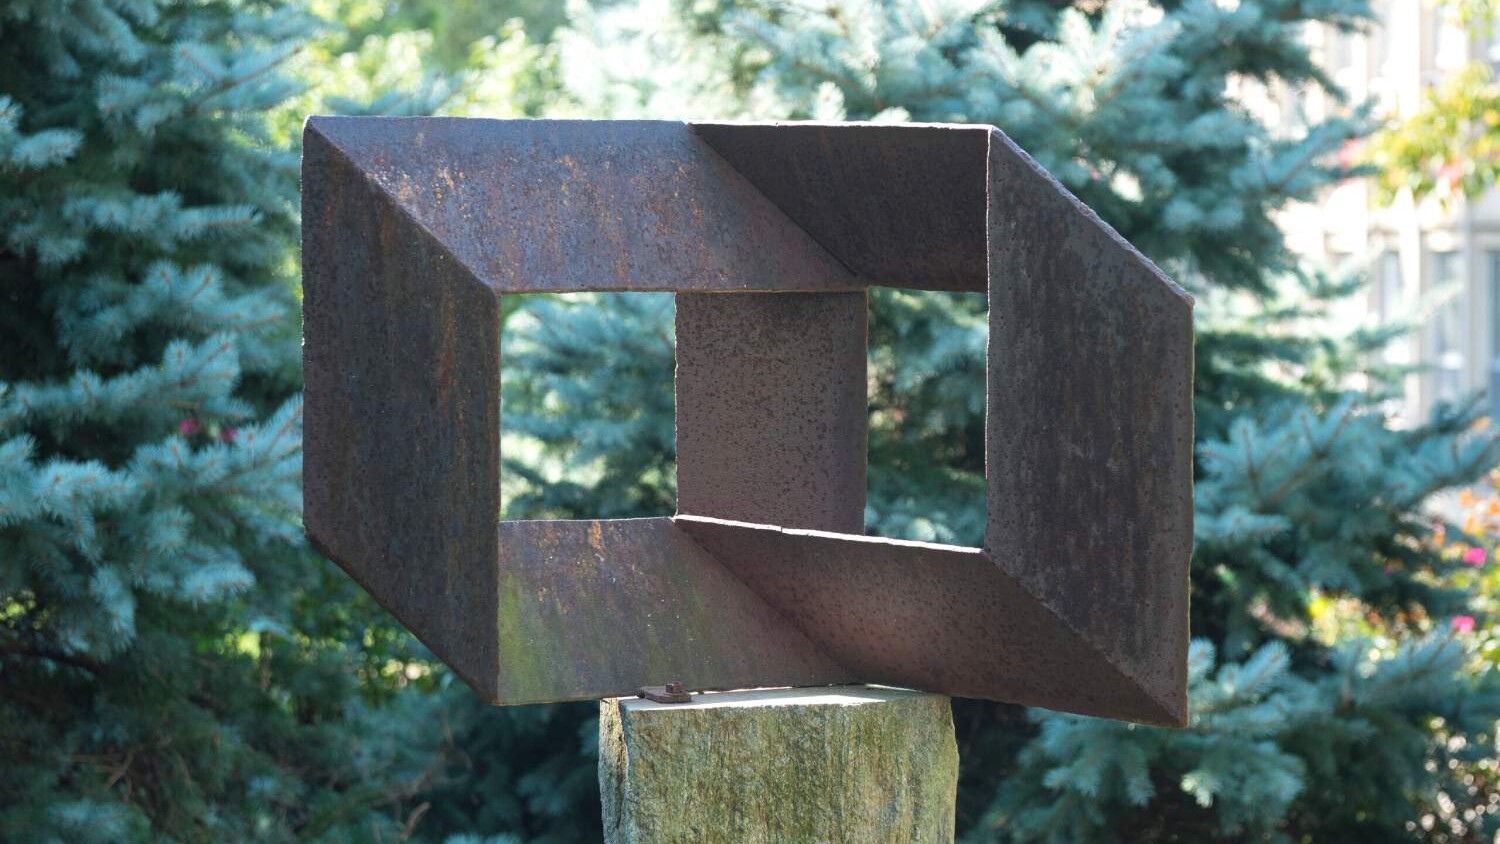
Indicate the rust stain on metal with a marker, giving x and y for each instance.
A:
(769, 234)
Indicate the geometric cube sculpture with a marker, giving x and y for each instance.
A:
(413, 229)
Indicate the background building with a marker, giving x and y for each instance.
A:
(1439, 259)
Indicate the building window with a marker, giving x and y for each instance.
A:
(1450, 47)
(1340, 50)
(1447, 328)
(1390, 41)
(1493, 260)
(1390, 287)
(1390, 304)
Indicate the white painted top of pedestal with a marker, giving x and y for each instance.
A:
(825, 696)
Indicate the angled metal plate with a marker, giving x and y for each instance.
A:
(934, 617)
(1078, 599)
(587, 609)
(771, 408)
(902, 206)
(1089, 425)
(531, 206)
(401, 460)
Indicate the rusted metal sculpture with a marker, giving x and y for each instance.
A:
(769, 235)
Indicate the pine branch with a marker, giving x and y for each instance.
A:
(226, 85)
(1319, 455)
(75, 660)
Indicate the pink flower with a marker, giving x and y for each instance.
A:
(1349, 153)
(228, 434)
(1450, 174)
(1463, 623)
(189, 427)
(1474, 556)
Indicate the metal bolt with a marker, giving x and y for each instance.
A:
(672, 692)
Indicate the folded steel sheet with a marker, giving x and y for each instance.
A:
(770, 234)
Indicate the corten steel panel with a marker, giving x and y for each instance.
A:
(401, 355)
(918, 615)
(569, 205)
(1089, 425)
(771, 407)
(902, 206)
(589, 608)
(1078, 599)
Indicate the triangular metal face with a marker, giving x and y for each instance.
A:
(1078, 599)
(902, 206)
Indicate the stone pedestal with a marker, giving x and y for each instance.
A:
(842, 764)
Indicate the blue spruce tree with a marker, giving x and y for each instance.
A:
(174, 666)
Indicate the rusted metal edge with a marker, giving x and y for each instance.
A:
(1000, 141)
(940, 618)
(672, 692)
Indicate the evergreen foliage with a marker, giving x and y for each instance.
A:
(174, 666)
(572, 445)
(526, 774)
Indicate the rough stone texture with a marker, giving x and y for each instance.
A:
(841, 764)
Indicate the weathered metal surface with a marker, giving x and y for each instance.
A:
(567, 205)
(771, 408)
(1089, 425)
(592, 609)
(902, 206)
(1078, 599)
(934, 617)
(401, 467)
(673, 692)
